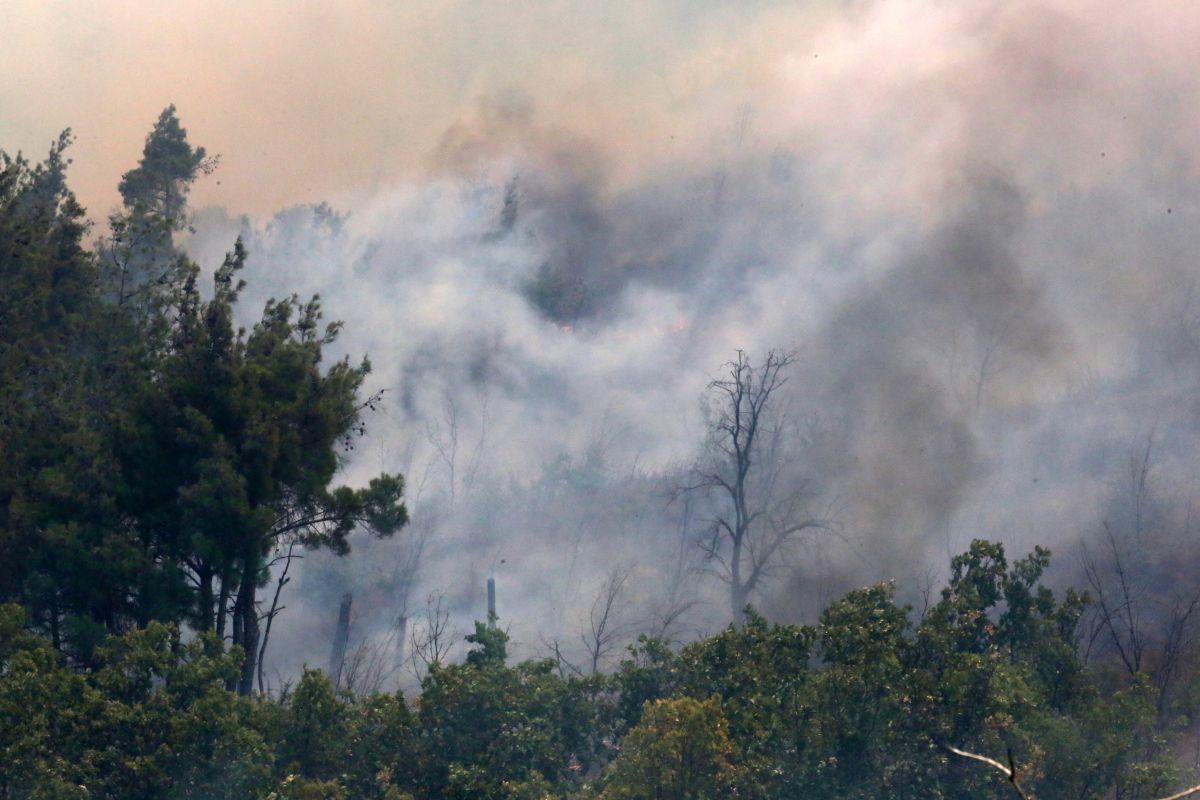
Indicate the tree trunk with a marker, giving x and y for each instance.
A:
(283, 581)
(402, 633)
(738, 597)
(246, 618)
(223, 605)
(237, 639)
(738, 591)
(341, 637)
(55, 638)
(207, 617)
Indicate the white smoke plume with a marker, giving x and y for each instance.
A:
(976, 222)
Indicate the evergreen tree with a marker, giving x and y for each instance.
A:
(140, 259)
(236, 444)
(154, 453)
(64, 555)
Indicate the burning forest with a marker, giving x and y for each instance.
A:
(574, 401)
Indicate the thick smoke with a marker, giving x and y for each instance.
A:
(974, 222)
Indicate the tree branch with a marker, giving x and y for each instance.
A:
(1009, 772)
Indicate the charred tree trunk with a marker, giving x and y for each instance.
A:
(491, 600)
(402, 640)
(738, 592)
(341, 637)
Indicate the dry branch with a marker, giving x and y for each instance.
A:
(1010, 772)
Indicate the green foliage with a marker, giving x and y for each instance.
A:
(153, 721)
(46, 274)
(482, 724)
(492, 650)
(680, 750)
(315, 736)
(169, 164)
(1108, 744)
(296, 788)
(382, 746)
(36, 696)
(650, 673)
(863, 705)
(152, 454)
(63, 554)
(140, 262)
(761, 673)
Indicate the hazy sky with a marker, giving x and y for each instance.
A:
(306, 99)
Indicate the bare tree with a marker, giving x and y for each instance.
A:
(431, 638)
(341, 637)
(368, 665)
(280, 582)
(604, 629)
(554, 649)
(1146, 609)
(405, 572)
(677, 600)
(761, 505)
(446, 438)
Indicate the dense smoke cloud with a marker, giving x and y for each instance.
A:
(975, 222)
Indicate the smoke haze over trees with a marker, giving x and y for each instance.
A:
(957, 241)
(974, 234)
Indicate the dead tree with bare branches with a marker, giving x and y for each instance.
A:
(761, 504)
(1140, 571)
(432, 638)
(604, 629)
